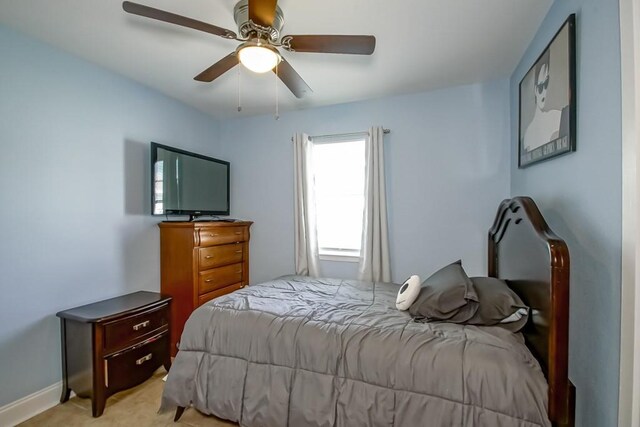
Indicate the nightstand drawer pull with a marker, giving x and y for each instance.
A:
(141, 325)
(144, 359)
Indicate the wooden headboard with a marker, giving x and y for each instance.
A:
(535, 263)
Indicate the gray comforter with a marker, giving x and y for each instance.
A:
(298, 351)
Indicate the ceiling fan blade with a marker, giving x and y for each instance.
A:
(292, 79)
(262, 12)
(358, 45)
(172, 18)
(218, 69)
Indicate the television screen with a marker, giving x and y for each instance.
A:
(187, 183)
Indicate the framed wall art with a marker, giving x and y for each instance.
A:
(547, 119)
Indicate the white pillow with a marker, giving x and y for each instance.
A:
(517, 315)
(408, 293)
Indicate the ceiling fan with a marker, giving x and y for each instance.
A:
(259, 25)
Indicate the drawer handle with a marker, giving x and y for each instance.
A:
(144, 359)
(213, 234)
(208, 280)
(208, 257)
(141, 325)
(239, 252)
(239, 271)
(238, 232)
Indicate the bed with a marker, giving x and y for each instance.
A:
(298, 351)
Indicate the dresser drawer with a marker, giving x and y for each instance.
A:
(216, 256)
(219, 277)
(127, 331)
(134, 365)
(220, 235)
(218, 293)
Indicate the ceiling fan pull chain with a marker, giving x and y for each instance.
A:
(239, 91)
(276, 80)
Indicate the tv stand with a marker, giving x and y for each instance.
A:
(196, 218)
(200, 261)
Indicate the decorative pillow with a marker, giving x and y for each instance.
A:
(499, 305)
(408, 293)
(448, 294)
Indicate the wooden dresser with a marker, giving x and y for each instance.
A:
(200, 261)
(113, 344)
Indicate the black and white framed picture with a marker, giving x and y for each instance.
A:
(547, 125)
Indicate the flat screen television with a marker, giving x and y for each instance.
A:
(185, 183)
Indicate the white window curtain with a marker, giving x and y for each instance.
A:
(374, 255)
(305, 231)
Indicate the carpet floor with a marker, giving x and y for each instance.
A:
(137, 407)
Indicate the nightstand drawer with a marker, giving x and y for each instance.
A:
(220, 235)
(216, 256)
(220, 277)
(124, 332)
(133, 366)
(218, 293)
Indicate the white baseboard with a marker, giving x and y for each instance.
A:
(31, 405)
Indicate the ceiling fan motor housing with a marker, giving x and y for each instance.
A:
(247, 28)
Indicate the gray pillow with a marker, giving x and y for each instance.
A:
(447, 295)
(499, 305)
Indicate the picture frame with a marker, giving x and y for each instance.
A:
(547, 101)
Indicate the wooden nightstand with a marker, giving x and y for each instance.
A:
(113, 345)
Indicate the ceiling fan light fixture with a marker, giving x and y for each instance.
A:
(258, 57)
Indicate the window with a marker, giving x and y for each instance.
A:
(158, 185)
(338, 176)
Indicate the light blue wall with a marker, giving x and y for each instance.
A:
(447, 168)
(580, 196)
(74, 190)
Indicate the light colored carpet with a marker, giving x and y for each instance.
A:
(137, 407)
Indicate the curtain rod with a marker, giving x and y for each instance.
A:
(385, 131)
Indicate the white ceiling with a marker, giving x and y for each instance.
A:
(421, 45)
